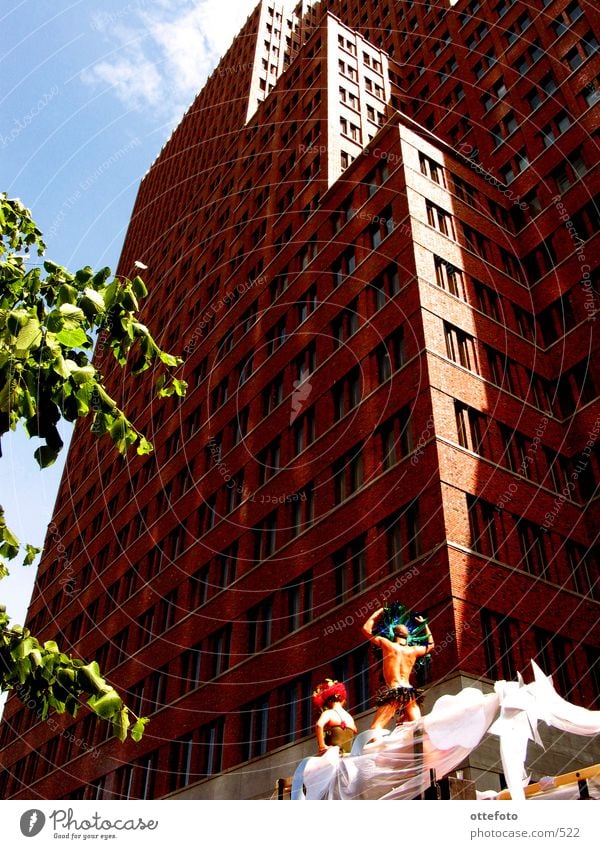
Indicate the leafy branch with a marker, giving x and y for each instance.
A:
(50, 321)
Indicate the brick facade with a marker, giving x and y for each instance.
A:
(392, 366)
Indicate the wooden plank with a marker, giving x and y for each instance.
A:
(558, 781)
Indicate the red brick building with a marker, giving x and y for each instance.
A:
(373, 235)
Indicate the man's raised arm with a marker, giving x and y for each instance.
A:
(430, 644)
(368, 626)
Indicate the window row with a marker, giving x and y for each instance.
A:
(541, 552)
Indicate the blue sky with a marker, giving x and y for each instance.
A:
(91, 90)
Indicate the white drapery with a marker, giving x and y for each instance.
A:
(398, 765)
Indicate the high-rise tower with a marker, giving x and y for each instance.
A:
(373, 235)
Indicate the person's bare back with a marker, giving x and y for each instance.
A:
(398, 661)
(400, 698)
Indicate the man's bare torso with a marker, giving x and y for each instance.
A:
(398, 662)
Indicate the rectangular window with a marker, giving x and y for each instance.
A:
(525, 322)
(191, 665)
(381, 228)
(303, 509)
(482, 523)
(432, 170)
(348, 474)
(390, 355)
(344, 266)
(167, 610)
(240, 427)
(395, 437)
(277, 336)
(476, 242)
(501, 369)
(449, 277)
(218, 651)
(226, 566)
(295, 705)
(269, 460)
(532, 540)
(552, 653)
(385, 286)
(210, 748)
(255, 728)
(304, 431)
(347, 394)
(265, 537)
(534, 100)
(487, 300)
(460, 347)
(306, 363)
(350, 570)
(500, 635)
(439, 219)
(345, 324)
(260, 619)
(377, 178)
(401, 531)
(472, 429)
(299, 602)
(199, 584)
(307, 304)
(273, 395)
(584, 568)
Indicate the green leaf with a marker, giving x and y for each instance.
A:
(76, 338)
(6, 535)
(67, 296)
(121, 724)
(31, 554)
(84, 276)
(30, 336)
(45, 456)
(100, 278)
(81, 374)
(110, 295)
(144, 446)
(35, 656)
(55, 321)
(53, 268)
(23, 647)
(106, 706)
(84, 397)
(91, 681)
(71, 312)
(93, 301)
(169, 359)
(138, 729)
(139, 287)
(28, 404)
(60, 367)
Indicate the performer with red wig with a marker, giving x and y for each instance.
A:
(335, 726)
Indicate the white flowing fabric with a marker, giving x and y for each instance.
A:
(397, 765)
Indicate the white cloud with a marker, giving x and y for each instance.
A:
(163, 51)
(136, 82)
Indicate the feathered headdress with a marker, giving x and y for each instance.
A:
(395, 614)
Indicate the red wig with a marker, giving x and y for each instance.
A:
(328, 689)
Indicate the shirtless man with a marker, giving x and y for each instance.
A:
(399, 697)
